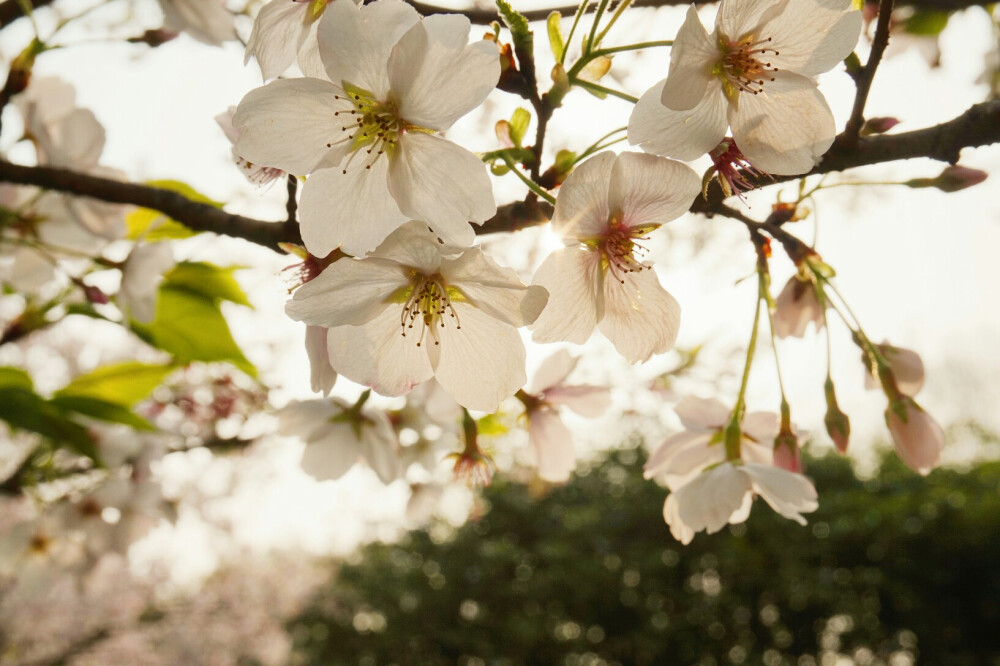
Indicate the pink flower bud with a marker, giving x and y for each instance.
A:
(917, 437)
(786, 452)
(878, 125)
(795, 307)
(95, 295)
(838, 425)
(955, 178)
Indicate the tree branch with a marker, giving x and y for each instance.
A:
(864, 78)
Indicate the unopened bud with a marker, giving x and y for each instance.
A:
(153, 38)
(786, 451)
(95, 295)
(917, 437)
(952, 179)
(838, 425)
(879, 125)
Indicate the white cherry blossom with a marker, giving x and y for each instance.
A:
(796, 307)
(207, 21)
(755, 73)
(907, 369)
(369, 135)
(338, 436)
(279, 32)
(322, 376)
(255, 173)
(416, 309)
(548, 435)
(604, 211)
(141, 276)
(918, 438)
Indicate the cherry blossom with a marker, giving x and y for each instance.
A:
(916, 435)
(796, 307)
(141, 276)
(907, 369)
(255, 173)
(322, 376)
(338, 435)
(207, 21)
(755, 73)
(724, 495)
(370, 138)
(416, 309)
(548, 435)
(604, 211)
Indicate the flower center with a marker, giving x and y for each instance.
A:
(372, 128)
(619, 247)
(744, 66)
(429, 300)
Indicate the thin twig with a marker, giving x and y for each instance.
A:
(867, 74)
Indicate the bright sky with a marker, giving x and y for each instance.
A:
(916, 266)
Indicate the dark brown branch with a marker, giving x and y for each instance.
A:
(10, 10)
(192, 214)
(864, 78)
(483, 16)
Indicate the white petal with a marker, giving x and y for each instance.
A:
(208, 22)
(482, 362)
(81, 141)
(812, 37)
(376, 354)
(907, 368)
(436, 181)
(436, 76)
(141, 277)
(308, 59)
(352, 211)
(690, 459)
(736, 20)
(355, 42)
(762, 427)
(711, 498)
(572, 276)
(686, 135)
(278, 31)
(640, 317)
(591, 401)
(918, 440)
(349, 292)
(659, 462)
(581, 210)
(553, 371)
(332, 456)
(290, 124)
(692, 58)
(788, 493)
(553, 445)
(322, 376)
(796, 306)
(695, 412)
(303, 418)
(678, 528)
(649, 191)
(785, 129)
(412, 245)
(494, 289)
(380, 447)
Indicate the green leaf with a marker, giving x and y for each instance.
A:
(123, 383)
(556, 41)
(492, 425)
(153, 226)
(926, 22)
(208, 280)
(22, 409)
(102, 410)
(519, 125)
(16, 378)
(524, 43)
(192, 328)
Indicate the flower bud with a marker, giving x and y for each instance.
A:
(952, 179)
(786, 451)
(905, 367)
(916, 435)
(796, 306)
(838, 425)
(879, 125)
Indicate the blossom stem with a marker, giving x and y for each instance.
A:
(599, 145)
(532, 185)
(733, 433)
(576, 20)
(593, 87)
(766, 297)
(591, 41)
(614, 18)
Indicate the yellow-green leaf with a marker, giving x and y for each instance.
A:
(152, 225)
(213, 282)
(122, 383)
(519, 122)
(556, 40)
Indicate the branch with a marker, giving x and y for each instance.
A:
(192, 214)
(865, 77)
(486, 16)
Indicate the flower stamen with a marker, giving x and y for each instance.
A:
(426, 306)
(743, 67)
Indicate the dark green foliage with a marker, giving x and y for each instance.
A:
(898, 563)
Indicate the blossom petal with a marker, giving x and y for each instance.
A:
(581, 210)
(736, 20)
(689, 460)
(379, 447)
(650, 191)
(762, 427)
(685, 135)
(796, 306)
(437, 76)
(692, 58)
(678, 528)
(812, 36)
(553, 371)
(332, 456)
(786, 129)
(355, 41)
(572, 276)
(788, 493)
(660, 460)
(494, 289)
(640, 317)
(696, 413)
(352, 211)
(302, 418)
(412, 245)
(918, 440)
(377, 355)
(482, 362)
(553, 445)
(289, 124)
(278, 32)
(588, 401)
(708, 501)
(349, 292)
(436, 181)
(322, 376)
